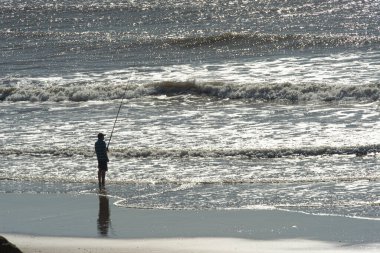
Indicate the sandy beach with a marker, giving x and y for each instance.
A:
(78, 245)
(91, 223)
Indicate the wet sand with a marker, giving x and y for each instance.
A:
(91, 223)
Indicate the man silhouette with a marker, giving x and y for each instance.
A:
(101, 154)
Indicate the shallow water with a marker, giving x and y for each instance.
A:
(188, 153)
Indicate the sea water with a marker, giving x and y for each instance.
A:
(225, 104)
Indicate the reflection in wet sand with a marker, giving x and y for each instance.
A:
(104, 215)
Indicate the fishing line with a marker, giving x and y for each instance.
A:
(118, 112)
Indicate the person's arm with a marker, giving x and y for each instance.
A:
(106, 152)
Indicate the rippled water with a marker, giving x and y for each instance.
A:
(227, 104)
(184, 152)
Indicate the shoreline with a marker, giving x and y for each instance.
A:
(89, 220)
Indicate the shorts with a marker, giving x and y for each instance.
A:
(102, 165)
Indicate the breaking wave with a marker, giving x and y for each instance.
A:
(288, 92)
(201, 153)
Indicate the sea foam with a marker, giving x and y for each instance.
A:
(290, 92)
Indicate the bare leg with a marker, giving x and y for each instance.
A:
(100, 178)
(103, 178)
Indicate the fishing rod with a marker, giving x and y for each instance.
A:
(117, 115)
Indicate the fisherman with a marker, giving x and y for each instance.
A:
(101, 153)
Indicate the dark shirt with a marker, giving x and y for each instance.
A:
(101, 150)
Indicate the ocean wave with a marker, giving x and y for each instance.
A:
(257, 42)
(82, 6)
(288, 41)
(189, 183)
(277, 92)
(247, 153)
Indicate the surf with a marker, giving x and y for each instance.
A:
(247, 153)
(275, 92)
